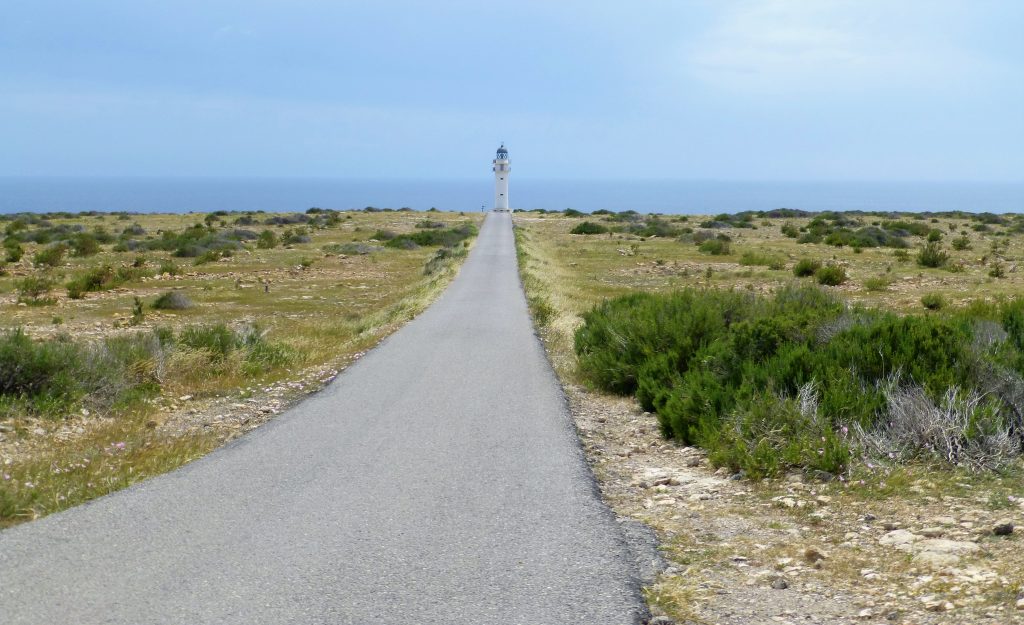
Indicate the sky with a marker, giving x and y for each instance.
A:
(789, 90)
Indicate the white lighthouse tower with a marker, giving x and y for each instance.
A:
(501, 170)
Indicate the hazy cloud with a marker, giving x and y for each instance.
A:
(835, 44)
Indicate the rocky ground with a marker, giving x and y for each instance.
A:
(799, 550)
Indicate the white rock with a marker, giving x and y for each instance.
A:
(900, 539)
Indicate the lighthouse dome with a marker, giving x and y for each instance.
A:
(502, 151)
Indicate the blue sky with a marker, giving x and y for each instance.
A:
(681, 89)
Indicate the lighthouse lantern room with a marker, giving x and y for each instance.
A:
(501, 170)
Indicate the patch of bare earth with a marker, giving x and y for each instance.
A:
(799, 551)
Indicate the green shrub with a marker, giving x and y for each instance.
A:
(932, 255)
(50, 256)
(98, 279)
(267, 240)
(961, 243)
(48, 378)
(169, 267)
(768, 383)
(654, 226)
(934, 236)
(790, 230)
(33, 288)
(210, 256)
(901, 255)
(830, 275)
(13, 250)
(103, 278)
(933, 301)
(806, 267)
(715, 247)
(219, 341)
(588, 227)
(85, 244)
(449, 237)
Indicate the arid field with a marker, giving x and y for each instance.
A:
(132, 343)
(911, 538)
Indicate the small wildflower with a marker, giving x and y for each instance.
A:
(846, 430)
(7, 476)
(119, 445)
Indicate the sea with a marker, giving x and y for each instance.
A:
(182, 195)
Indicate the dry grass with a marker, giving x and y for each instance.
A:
(322, 308)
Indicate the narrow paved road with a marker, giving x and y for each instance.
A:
(437, 480)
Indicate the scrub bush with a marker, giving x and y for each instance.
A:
(932, 255)
(715, 247)
(766, 383)
(805, 267)
(588, 227)
(830, 275)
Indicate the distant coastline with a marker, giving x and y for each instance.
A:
(182, 195)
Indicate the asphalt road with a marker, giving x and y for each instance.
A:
(437, 480)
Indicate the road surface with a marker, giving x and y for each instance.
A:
(437, 480)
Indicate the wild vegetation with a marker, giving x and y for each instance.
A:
(781, 424)
(771, 375)
(797, 379)
(110, 320)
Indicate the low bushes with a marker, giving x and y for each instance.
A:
(103, 278)
(932, 255)
(715, 247)
(830, 275)
(50, 256)
(933, 301)
(588, 227)
(33, 288)
(50, 378)
(798, 380)
(442, 258)
(448, 237)
(806, 267)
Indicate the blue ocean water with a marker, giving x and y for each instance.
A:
(36, 194)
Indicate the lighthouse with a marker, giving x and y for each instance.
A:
(501, 170)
